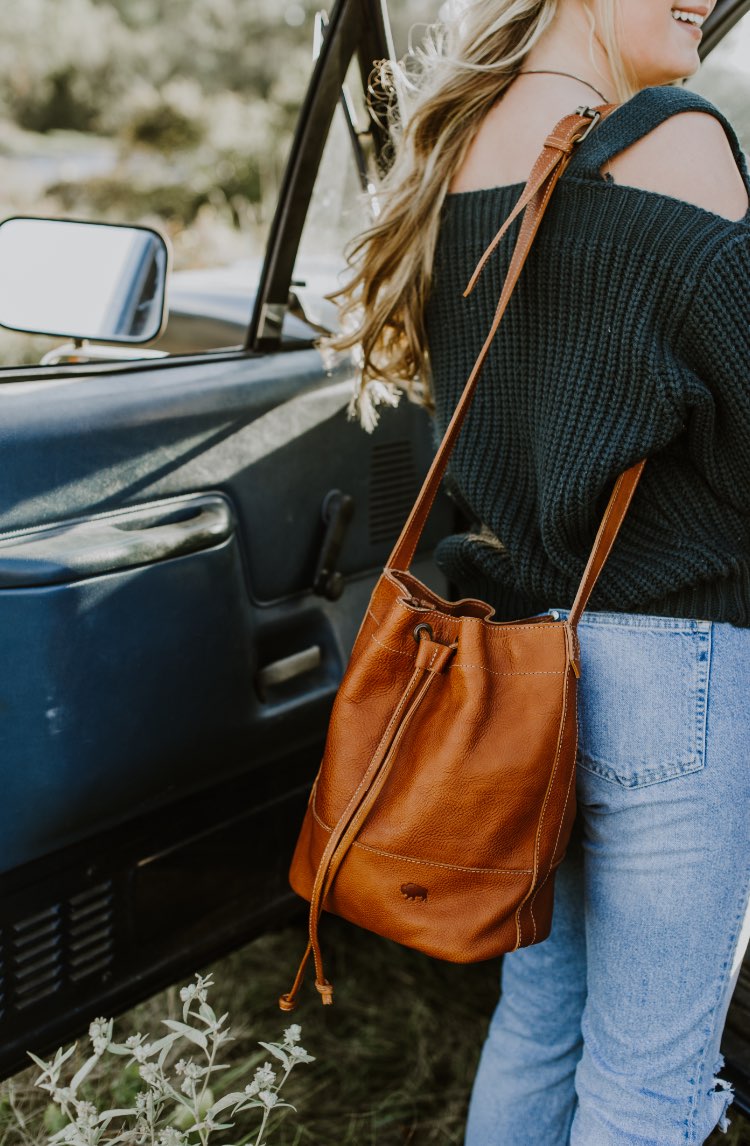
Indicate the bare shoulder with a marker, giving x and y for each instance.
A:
(689, 157)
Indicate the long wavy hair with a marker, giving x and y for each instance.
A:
(440, 93)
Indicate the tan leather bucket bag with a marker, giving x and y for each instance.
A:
(446, 795)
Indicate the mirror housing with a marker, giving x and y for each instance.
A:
(68, 278)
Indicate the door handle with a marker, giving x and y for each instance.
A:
(337, 512)
(73, 550)
(287, 669)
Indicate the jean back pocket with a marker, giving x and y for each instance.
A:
(642, 696)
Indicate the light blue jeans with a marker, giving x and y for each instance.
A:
(608, 1033)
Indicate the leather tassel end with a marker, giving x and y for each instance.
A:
(287, 1003)
(325, 990)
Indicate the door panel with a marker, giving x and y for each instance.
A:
(167, 671)
(164, 697)
(167, 668)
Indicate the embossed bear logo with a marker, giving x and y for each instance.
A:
(413, 892)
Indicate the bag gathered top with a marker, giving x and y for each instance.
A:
(446, 795)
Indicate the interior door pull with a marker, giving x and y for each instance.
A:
(337, 512)
(286, 669)
(108, 543)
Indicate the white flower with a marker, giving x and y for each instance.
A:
(140, 1048)
(268, 1098)
(202, 986)
(150, 1075)
(265, 1076)
(87, 1115)
(99, 1033)
(141, 1053)
(170, 1137)
(190, 1069)
(293, 1034)
(197, 990)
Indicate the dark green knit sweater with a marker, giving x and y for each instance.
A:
(628, 335)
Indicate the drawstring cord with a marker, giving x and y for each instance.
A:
(432, 658)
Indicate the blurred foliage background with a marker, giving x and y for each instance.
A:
(174, 111)
(162, 111)
(180, 114)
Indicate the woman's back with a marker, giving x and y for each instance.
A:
(604, 356)
(687, 156)
(627, 337)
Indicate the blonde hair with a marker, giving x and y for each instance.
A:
(440, 93)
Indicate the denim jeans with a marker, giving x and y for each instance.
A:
(608, 1032)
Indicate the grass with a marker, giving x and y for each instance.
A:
(395, 1055)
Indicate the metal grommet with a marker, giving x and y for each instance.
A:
(423, 627)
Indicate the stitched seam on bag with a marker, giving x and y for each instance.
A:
(361, 813)
(463, 664)
(510, 672)
(417, 699)
(533, 893)
(546, 799)
(391, 649)
(429, 863)
(498, 626)
(570, 782)
(328, 857)
(407, 694)
(567, 797)
(501, 626)
(372, 767)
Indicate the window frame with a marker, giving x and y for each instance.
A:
(356, 28)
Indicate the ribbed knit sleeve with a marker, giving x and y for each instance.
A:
(715, 344)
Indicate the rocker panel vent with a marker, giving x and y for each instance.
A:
(393, 489)
(37, 956)
(90, 937)
(59, 946)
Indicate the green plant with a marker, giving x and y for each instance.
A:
(175, 1104)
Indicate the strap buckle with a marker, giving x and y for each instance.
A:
(590, 113)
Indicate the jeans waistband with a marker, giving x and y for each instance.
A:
(639, 620)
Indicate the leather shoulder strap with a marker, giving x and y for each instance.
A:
(555, 157)
(619, 501)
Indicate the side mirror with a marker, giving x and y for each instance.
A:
(71, 279)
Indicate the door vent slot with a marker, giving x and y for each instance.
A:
(393, 489)
(37, 956)
(58, 947)
(90, 931)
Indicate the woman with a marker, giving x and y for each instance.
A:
(628, 336)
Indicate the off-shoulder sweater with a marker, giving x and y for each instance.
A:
(627, 336)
